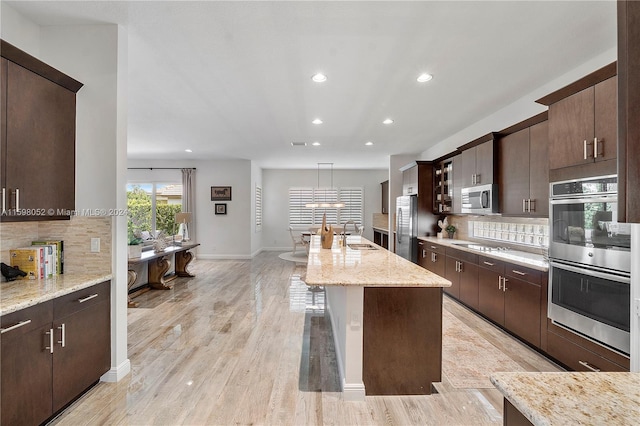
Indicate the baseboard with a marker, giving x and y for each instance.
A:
(117, 373)
(255, 253)
(224, 256)
(353, 392)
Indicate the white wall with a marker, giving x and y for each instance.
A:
(220, 236)
(19, 31)
(519, 110)
(275, 194)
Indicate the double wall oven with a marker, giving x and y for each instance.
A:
(590, 261)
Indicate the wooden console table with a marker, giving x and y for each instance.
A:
(158, 265)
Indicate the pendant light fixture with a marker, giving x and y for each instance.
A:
(325, 203)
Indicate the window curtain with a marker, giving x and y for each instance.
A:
(189, 199)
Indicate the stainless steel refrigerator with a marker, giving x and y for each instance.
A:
(407, 227)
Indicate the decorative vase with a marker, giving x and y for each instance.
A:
(134, 251)
(326, 233)
(451, 234)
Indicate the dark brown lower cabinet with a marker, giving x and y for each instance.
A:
(86, 353)
(53, 352)
(580, 354)
(461, 268)
(26, 373)
(431, 257)
(511, 296)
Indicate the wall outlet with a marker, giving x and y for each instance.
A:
(95, 245)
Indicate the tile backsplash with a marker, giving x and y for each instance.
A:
(534, 235)
(527, 231)
(76, 234)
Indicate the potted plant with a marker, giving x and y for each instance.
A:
(134, 249)
(450, 230)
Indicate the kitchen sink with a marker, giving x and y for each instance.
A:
(362, 246)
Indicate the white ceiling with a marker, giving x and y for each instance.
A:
(232, 79)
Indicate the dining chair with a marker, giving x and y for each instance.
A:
(297, 240)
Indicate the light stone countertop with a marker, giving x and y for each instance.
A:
(343, 266)
(522, 258)
(573, 398)
(20, 294)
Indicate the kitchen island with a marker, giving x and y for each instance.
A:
(386, 315)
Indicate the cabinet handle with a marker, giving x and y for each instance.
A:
(499, 282)
(13, 327)
(17, 199)
(534, 205)
(585, 149)
(88, 298)
(524, 205)
(63, 335)
(50, 347)
(518, 272)
(504, 284)
(4, 200)
(434, 247)
(586, 364)
(460, 267)
(489, 263)
(424, 253)
(478, 176)
(434, 257)
(595, 147)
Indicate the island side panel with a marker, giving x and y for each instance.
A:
(402, 340)
(345, 304)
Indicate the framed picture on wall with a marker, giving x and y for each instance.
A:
(221, 208)
(220, 193)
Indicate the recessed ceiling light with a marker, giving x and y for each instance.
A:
(316, 143)
(298, 144)
(317, 121)
(187, 150)
(423, 78)
(387, 121)
(319, 78)
(369, 143)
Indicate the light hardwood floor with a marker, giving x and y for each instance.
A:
(247, 342)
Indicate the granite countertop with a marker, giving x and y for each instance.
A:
(344, 266)
(523, 258)
(576, 398)
(20, 294)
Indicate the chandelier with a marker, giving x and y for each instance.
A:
(324, 203)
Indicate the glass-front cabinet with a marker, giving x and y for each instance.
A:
(443, 187)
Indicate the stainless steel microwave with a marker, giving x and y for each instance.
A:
(481, 199)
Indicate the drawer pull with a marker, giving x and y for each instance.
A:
(434, 247)
(489, 263)
(518, 272)
(13, 327)
(62, 335)
(87, 298)
(50, 347)
(586, 364)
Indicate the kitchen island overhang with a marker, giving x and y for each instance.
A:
(386, 316)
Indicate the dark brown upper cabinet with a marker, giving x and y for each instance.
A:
(384, 187)
(38, 138)
(477, 161)
(582, 126)
(628, 111)
(524, 168)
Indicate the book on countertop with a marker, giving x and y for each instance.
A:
(59, 252)
(30, 260)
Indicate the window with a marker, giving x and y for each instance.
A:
(301, 216)
(153, 207)
(258, 208)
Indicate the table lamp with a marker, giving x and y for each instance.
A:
(182, 219)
